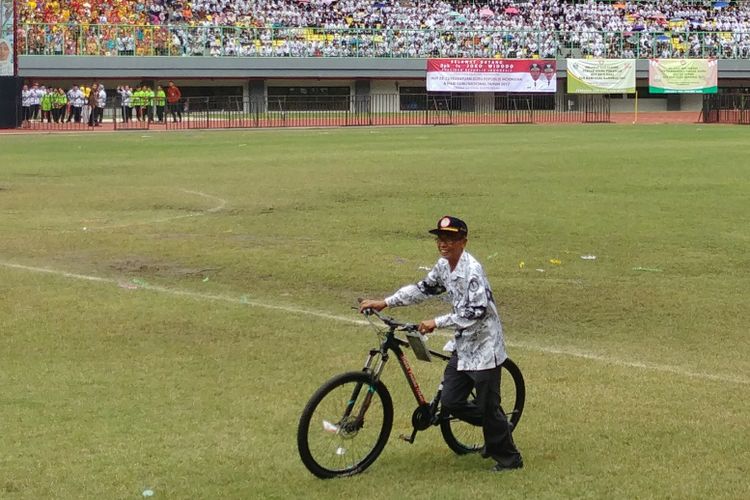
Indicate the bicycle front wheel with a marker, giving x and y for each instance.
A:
(463, 437)
(345, 425)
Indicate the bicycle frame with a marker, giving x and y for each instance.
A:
(426, 412)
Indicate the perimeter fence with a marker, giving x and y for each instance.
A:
(335, 111)
(385, 109)
(726, 108)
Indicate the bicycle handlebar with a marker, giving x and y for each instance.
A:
(392, 323)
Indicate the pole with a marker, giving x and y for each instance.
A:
(635, 117)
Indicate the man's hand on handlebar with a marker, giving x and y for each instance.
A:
(427, 326)
(376, 305)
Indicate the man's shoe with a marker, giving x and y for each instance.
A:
(498, 467)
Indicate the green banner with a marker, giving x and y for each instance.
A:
(683, 76)
(601, 76)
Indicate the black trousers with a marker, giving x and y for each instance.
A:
(75, 113)
(95, 118)
(127, 113)
(484, 411)
(175, 110)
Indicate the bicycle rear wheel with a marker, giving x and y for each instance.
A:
(463, 437)
(345, 425)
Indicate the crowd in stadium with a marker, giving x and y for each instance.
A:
(386, 28)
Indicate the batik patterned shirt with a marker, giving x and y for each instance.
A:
(479, 341)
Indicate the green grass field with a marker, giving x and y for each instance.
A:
(170, 301)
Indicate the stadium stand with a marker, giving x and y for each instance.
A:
(385, 28)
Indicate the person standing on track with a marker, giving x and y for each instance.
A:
(35, 100)
(136, 99)
(86, 108)
(26, 105)
(46, 104)
(93, 100)
(478, 345)
(173, 100)
(59, 104)
(76, 98)
(160, 101)
(101, 103)
(126, 96)
(149, 97)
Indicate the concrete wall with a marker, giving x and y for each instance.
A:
(217, 67)
(273, 67)
(278, 82)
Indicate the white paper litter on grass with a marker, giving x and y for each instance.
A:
(329, 427)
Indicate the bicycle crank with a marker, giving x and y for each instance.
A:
(421, 419)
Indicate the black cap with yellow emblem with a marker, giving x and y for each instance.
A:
(448, 225)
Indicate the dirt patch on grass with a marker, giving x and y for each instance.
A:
(167, 206)
(143, 267)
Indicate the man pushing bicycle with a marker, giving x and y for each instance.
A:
(478, 346)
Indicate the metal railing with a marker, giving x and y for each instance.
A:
(235, 41)
(390, 109)
(335, 111)
(726, 108)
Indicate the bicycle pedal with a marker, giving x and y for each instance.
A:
(408, 439)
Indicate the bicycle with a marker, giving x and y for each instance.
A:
(335, 439)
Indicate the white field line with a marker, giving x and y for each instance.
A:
(221, 203)
(568, 352)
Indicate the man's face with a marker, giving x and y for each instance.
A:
(450, 246)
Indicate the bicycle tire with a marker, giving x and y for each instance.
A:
(463, 438)
(329, 432)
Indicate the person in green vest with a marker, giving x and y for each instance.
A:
(160, 101)
(59, 104)
(136, 102)
(149, 96)
(46, 103)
